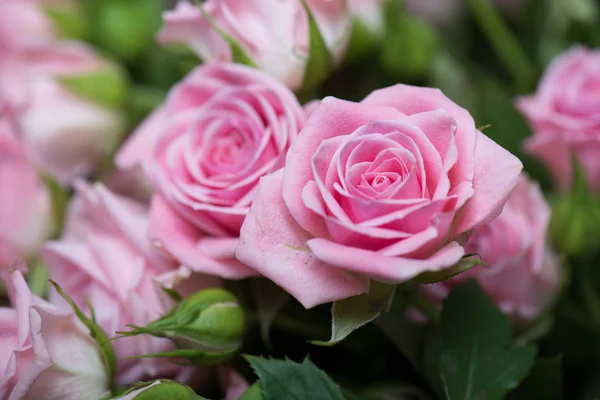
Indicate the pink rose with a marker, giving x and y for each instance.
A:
(220, 130)
(23, 22)
(564, 115)
(274, 33)
(45, 353)
(105, 256)
(69, 134)
(522, 276)
(25, 207)
(383, 189)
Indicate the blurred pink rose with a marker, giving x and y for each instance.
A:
(564, 115)
(522, 276)
(375, 190)
(104, 256)
(274, 33)
(68, 133)
(23, 22)
(25, 206)
(45, 353)
(370, 13)
(221, 129)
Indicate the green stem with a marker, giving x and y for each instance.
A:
(590, 294)
(504, 42)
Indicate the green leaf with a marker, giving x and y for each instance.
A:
(286, 379)
(544, 381)
(394, 391)
(237, 50)
(320, 61)
(108, 353)
(474, 360)
(254, 392)
(350, 314)
(465, 264)
(107, 87)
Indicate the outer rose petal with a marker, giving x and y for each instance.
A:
(332, 117)
(77, 369)
(139, 147)
(275, 245)
(181, 239)
(496, 174)
(379, 267)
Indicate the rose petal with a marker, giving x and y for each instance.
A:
(380, 267)
(177, 237)
(275, 245)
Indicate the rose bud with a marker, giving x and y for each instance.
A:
(275, 34)
(70, 114)
(161, 389)
(46, 353)
(207, 326)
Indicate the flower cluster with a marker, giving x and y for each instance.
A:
(175, 183)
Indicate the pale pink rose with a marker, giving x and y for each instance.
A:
(564, 115)
(220, 130)
(25, 206)
(370, 13)
(381, 189)
(105, 256)
(46, 353)
(522, 276)
(274, 33)
(69, 134)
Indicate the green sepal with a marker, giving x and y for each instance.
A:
(466, 263)
(352, 313)
(320, 61)
(106, 86)
(237, 50)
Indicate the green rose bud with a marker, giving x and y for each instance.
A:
(158, 390)
(207, 327)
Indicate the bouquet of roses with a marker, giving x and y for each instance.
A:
(299, 199)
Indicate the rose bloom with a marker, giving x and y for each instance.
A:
(274, 33)
(522, 276)
(104, 256)
(564, 115)
(46, 353)
(384, 189)
(220, 130)
(70, 135)
(25, 206)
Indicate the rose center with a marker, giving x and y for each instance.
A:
(225, 151)
(381, 181)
